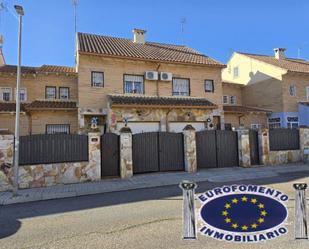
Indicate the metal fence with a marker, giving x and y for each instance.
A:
(283, 139)
(56, 148)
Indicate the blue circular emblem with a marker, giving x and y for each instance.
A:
(244, 213)
(243, 210)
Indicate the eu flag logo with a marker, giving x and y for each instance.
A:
(256, 212)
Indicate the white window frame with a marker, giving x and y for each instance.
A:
(256, 126)
(233, 100)
(21, 89)
(276, 124)
(46, 92)
(181, 93)
(68, 93)
(292, 90)
(225, 97)
(6, 90)
(235, 72)
(292, 124)
(133, 80)
(307, 91)
(95, 83)
(209, 86)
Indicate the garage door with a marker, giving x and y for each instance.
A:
(141, 127)
(178, 126)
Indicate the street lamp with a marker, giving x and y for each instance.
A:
(20, 12)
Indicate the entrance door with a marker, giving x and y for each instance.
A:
(254, 147)
(110, 155)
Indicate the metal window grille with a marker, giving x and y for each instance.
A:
(58, 129)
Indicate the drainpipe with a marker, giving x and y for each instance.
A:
(166, 120)
(157, 83)
(239, 117)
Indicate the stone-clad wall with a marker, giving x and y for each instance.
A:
(268, 157)
(43, 175)
(6, 161)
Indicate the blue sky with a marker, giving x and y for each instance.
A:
(213, 27)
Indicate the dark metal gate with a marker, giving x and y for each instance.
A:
(110, 155)
(206, 151)
(157, 151)
(254, 147)
(171, 151)
(216, 149)
(145, 152)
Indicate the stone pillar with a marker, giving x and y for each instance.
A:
(94, 150)
(304, 144)
(6, 161)
(189, 149)
(244, 148)
(126, 163)
(264, 146)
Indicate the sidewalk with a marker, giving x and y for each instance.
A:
(148, 181)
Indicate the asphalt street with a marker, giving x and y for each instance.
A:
(144, 218)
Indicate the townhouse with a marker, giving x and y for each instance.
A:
(274, 83)
(48, 99)
(152, 86)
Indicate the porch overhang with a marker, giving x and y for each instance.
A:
(166, 102)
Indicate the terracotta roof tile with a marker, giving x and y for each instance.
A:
(120, 47)
(243, 109)
(51, 104)
(159, 101)
(293, 65)
(11, 107)
(35, 70)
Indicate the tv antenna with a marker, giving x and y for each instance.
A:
(3, 8)
(75, 2)
(183, 21)
(299, 49)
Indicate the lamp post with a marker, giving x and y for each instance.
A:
(20, 13)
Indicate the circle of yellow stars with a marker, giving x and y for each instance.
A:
(244, 227)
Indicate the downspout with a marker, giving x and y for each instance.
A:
(157, 83)
(239, 117)
(166, 120)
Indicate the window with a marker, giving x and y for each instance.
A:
(209, 86)
(50, 92)
(97, 79)
(274, 123)
(307, 90)
(22, 94)
(233, 100)
(6, 94)
(133, 84)
(256, 126)
(292, 122)
(236, 72)
(225, 99)
(57, 129)
(292, 90)
(181, 87)
(64, 93)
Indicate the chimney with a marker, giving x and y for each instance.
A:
(279, 53)
(139, 36)
(2, 60)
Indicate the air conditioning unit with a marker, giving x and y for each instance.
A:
(151, 75)
(164, 76)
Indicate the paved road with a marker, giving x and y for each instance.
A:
(145, 218)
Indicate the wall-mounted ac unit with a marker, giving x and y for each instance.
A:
(164, 76)
(151, 75)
